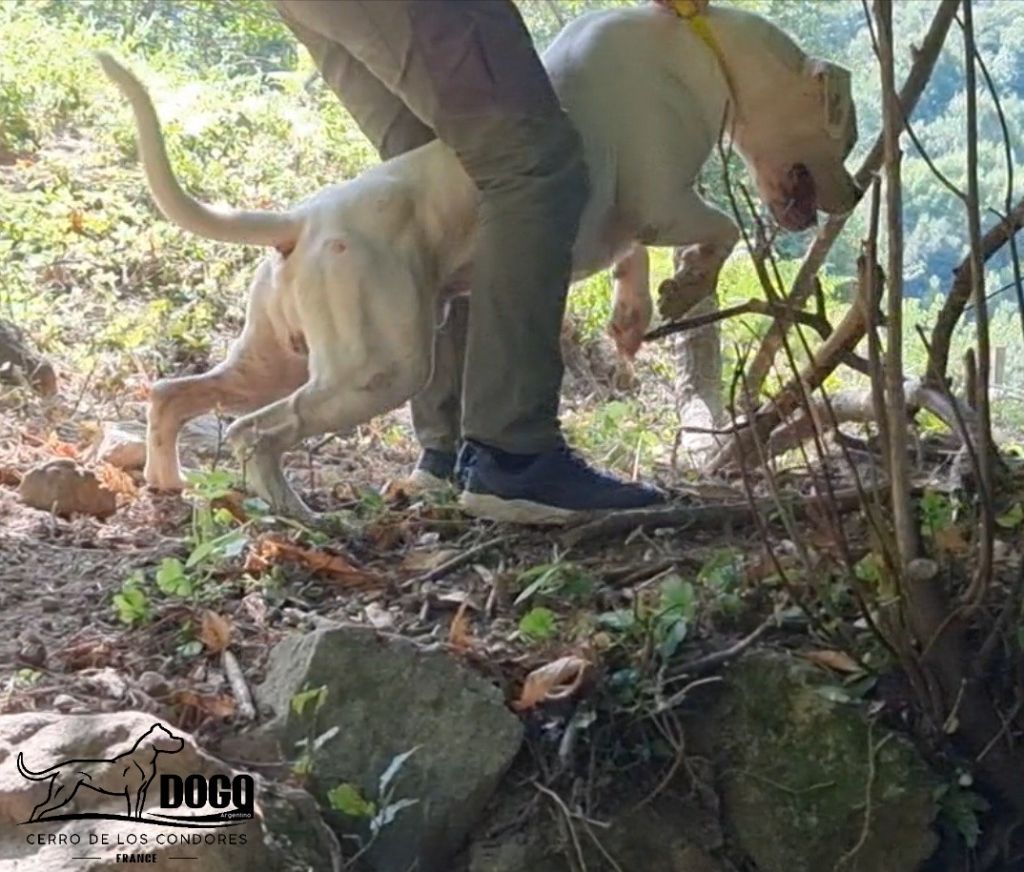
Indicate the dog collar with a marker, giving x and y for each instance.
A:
(693, 12)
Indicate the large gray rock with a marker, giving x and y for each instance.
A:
(286, 834)
(794, 770)
(387, 696)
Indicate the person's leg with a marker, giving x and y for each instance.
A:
(467, 68)
(393, 129)
(382, 116)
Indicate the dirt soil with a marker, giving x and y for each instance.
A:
(405, 565)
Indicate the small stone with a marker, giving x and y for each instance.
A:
(31, 650)
(122, 447)
(64, 702)
(922, 569)
(65, 488)
(153, 684)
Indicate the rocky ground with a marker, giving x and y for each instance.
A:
(644, 699)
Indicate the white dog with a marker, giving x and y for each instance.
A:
(340, 317)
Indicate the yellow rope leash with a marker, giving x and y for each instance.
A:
(694, 13)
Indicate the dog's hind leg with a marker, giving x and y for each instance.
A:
(260, 368)
(370, 351)
(320, 406)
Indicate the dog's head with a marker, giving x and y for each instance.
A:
(796, 122)
(162, 740)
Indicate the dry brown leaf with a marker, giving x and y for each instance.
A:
(424, 561)
(387, 535)
(460, 634)
(218, 705)
(215, 631)
(837, 660)
(55, 445)
(87, 654)
(77, 221)
(951, 540)
(397, 490)
(272, 549)
(117, 480)
(556, 680)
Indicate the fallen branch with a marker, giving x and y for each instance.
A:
(458, 560)
(703, 517)
(803, 285)
(857, 406)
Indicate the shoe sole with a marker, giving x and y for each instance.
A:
(494, 508)
(422, 481)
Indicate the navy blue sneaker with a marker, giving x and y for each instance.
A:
(434, 470)
(550, 488)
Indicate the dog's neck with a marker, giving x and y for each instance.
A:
(757, 58)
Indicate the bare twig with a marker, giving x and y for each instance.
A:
(865, 831)
(460, 559)
(898, 467)
(709, 662)
(983, 572)
(700, 517)
(239, 686)
(752, 307)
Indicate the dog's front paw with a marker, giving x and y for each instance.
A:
(679, 294)
(163, 479)
(697, 269)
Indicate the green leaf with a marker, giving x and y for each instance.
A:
(131, 604)
(303, 698)
(936, 510)
(678, 598)
(540, 575)
(191, 648)
(1013, 518)
(200, 553)
(348, 799)
(721, 571)
(538, 624)
(962, 808)
(869, 568)
(620, 620)
(171, 578)
(671, 633)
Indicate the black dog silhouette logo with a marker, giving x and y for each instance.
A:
(130, 775)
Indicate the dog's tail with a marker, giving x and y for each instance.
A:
(225, 224)
(28, 773)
